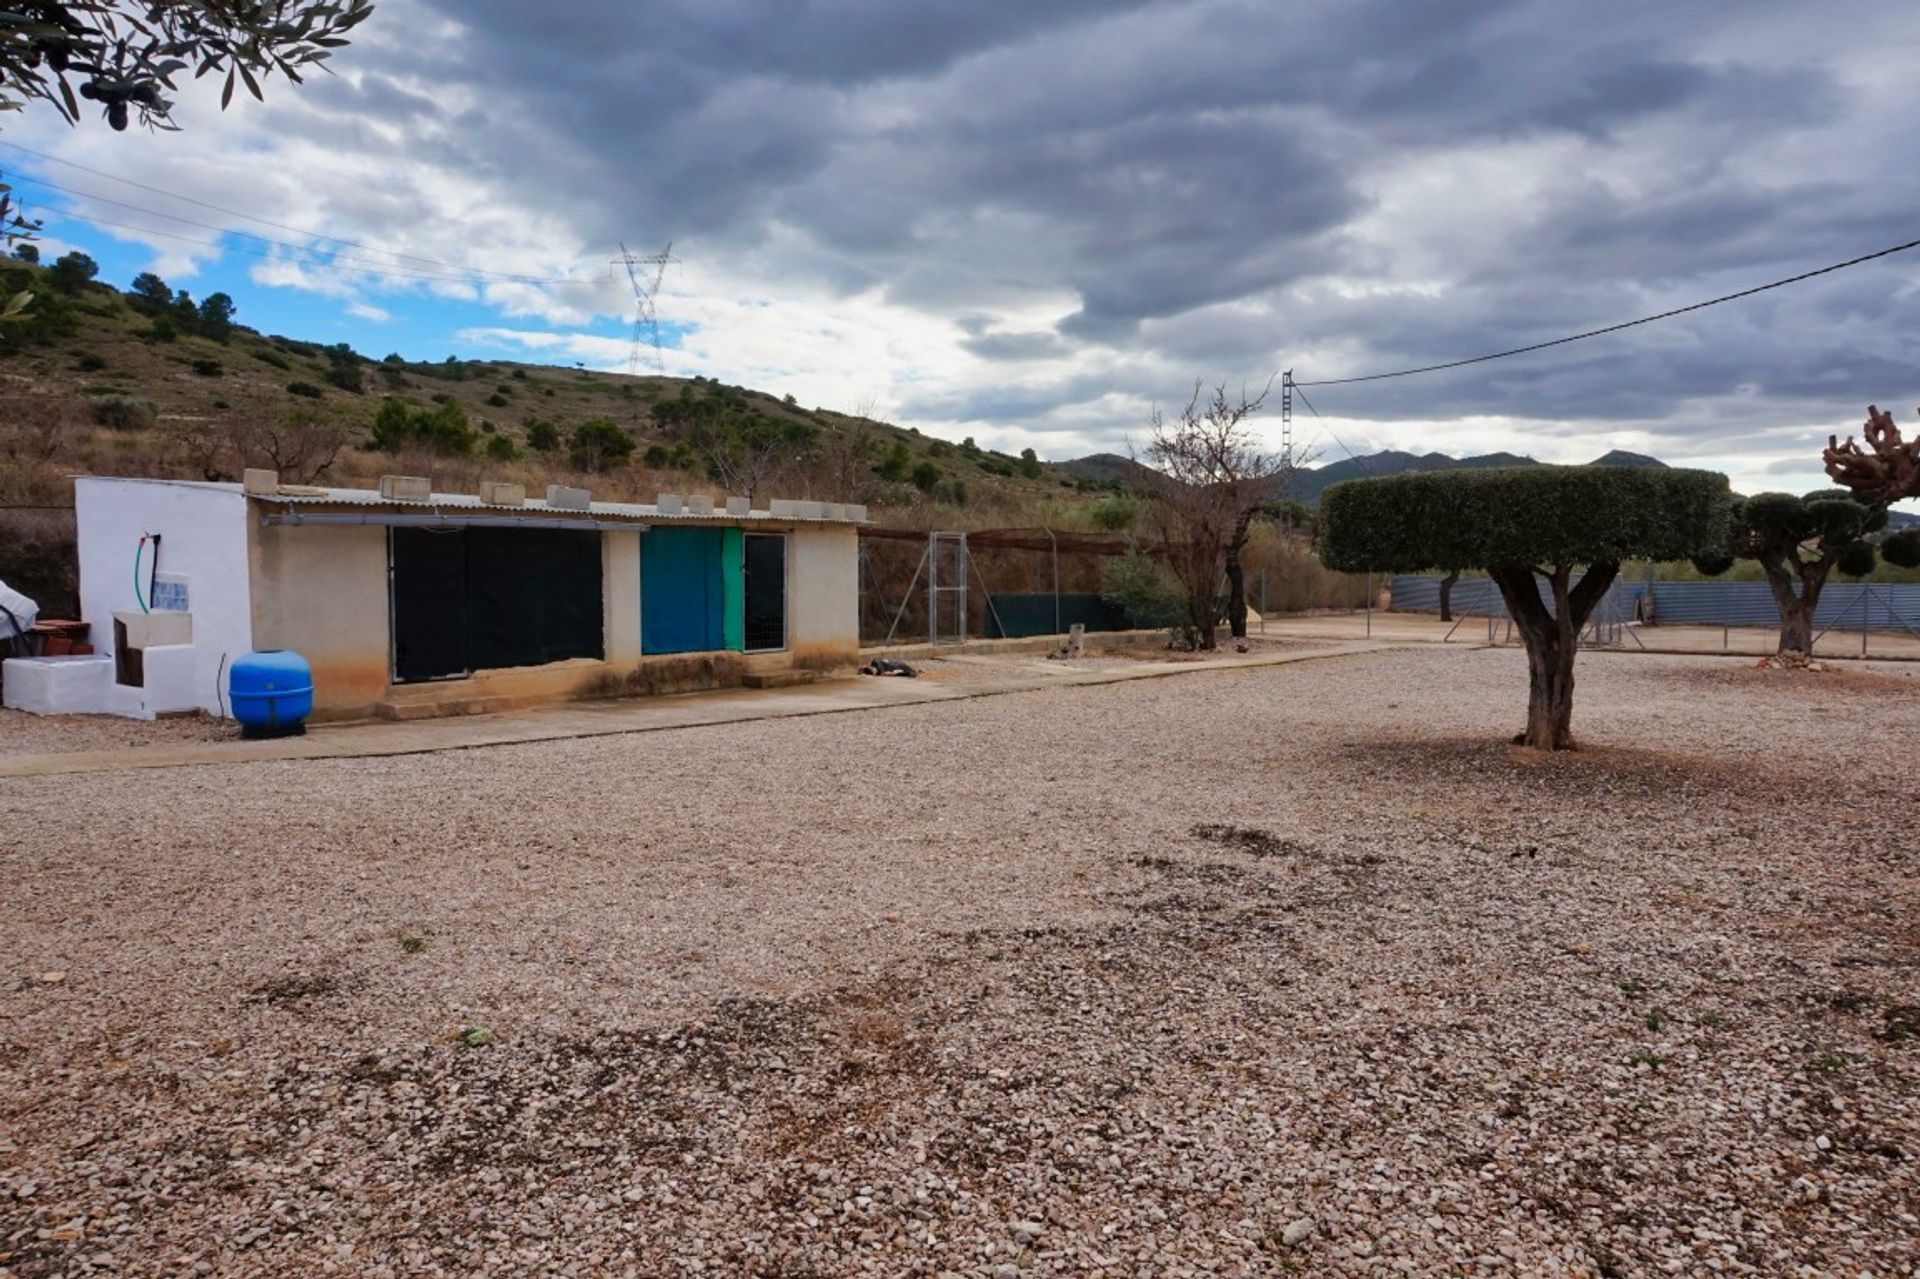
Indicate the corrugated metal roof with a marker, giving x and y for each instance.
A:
(635, 511)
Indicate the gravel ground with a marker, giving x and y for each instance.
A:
(24, 734)
(1285, 970)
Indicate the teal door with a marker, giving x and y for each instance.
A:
(683, 590)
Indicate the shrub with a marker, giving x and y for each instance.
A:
(208, 368)
(679, 457)
(598, 444)
(345, 376)
(162, 330)
(542, 436)
(125, 412)
(306, 390)
(497, 401)
(71, 271)
(268, 356)
(88, 362)
(1114, 514)
(1144, 590)
(925, 476)
(444, 429)
(500, 449)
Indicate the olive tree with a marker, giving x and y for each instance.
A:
(126, 55)
(1885, 471)
(1530, 528)
(1799, 542)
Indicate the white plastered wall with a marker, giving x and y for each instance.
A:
(203, 539)
(823, 601)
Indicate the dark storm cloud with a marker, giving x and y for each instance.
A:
(1197, 187)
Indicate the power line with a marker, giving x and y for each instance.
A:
(1614, 328)
(455, 269)
(1323, 423)
(316, 263)
(323, 258)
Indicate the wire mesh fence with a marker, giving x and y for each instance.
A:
(941, 587)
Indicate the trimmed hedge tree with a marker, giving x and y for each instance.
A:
(1800, 540)
(1525, 526)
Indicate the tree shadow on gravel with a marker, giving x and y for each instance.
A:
(1791, 685)
(1589, 773)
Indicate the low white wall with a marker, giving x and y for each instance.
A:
(203, 540)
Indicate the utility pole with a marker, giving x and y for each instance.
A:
(646, 325)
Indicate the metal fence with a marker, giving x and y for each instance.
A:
(1850, 606)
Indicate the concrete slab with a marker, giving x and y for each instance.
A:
(656, 714)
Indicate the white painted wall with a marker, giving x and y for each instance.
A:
(203, 532)
(823, 594)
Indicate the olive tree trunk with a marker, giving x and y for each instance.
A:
(1446, 595)
(1552, 641)
(1796, 609)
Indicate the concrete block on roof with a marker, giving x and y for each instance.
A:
(562, 498)
(783, 508)
(501, 493)
(857, 512)
(405, 488)
(739, 506)
(669, 503)
(259, 481)
(835, 510)
(810, 510)
(699, 504)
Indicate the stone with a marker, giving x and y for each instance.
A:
(1297, 1232)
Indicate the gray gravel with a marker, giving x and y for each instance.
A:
(1285, 970)
(24, 734)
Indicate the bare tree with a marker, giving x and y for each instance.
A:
(204, 445)
(747, 452)
(1886, 471)
(300, 446)
(1213, 479)
(39, 426)
(846, 459)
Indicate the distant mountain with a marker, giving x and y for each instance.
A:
(1620, 457)
(1106, 468)
(1310, 482)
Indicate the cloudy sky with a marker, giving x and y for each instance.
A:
(1029, 222)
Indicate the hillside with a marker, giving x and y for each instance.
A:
(186, 396)
(148, 382)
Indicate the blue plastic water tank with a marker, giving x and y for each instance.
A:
(271, 693)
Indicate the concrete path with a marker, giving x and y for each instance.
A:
(647, 715)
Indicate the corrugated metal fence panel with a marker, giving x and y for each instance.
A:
(1881, 605)
(1475, 595)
